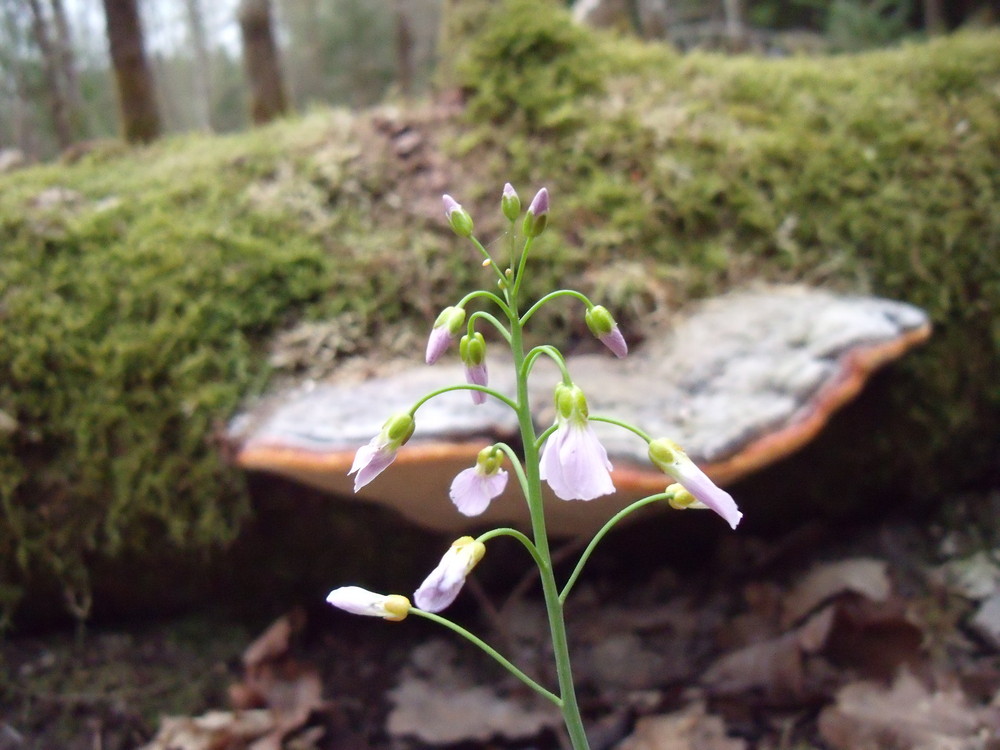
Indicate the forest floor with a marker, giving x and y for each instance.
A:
(879, 635)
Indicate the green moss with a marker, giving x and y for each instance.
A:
(140, 287)
(873, 172)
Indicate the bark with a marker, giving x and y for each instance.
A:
(735, 31)
(260, 59)
(203, 69)
(67, 66)
(54, 92)
(460, 21)
(139, 115)
(934, 22)
(404, 49)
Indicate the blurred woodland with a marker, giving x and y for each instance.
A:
(72, 71)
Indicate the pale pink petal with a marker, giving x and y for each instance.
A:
(444, 583)
(472, 491)
(437, 343)
(370, 461)
(575, 464)
(477, 375)
(615, 342)
(705, 490)
(359, 601)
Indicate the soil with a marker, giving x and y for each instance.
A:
(767, 638)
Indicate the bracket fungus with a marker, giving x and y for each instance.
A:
(745, 380)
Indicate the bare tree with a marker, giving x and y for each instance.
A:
(203, 68)
(460, 21)
(140, 118)
(68, 72)
(934, 22)
(404, 49)
(260, 58)
(54, 90)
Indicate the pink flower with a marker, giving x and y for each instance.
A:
(359, 601)
(477, 375)
(510, 204)
(374, 457)
(472, 489)
(573, 462)
(538, 214)
(472, 349)
(671, 460)
(441, 587)
(604, 327)
(458, 217)
(446, 327)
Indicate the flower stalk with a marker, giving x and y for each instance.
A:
(568, 455)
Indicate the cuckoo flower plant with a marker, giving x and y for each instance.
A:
(567, 456)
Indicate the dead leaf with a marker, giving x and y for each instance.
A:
(772, 668)
(216, 730)
(690, 729)
(864, 576)
(907, 716)
(445, 715)
(274, 642)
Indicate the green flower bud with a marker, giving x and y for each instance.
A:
(510, 204)
(458, 217)
(472, 349)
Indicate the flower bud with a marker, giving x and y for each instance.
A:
(472, 349)
(571, 402)
(458, 217)
(538, 214)
(510, 204)
(359, 601)
(670, 459)
(603, 326)
(446, 327)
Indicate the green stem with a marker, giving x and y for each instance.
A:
(533, 484)
(600, 535)
(487, 648)
(487, 256)
(494, 533)
(554, 295)
(624, 425)
(466, 387)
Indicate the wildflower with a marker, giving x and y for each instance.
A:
(449, 322)
(670, 459)
(472, 350)
(458, 217)
(573, 461)
(510, 204)
(373, 458)
(472, 489)
(359, 601)
(604, 327)
(441, 587)
(538, 214)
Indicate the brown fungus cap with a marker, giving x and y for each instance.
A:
(740, 383)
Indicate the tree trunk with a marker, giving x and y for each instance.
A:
(54, 93)
(140, 118)
(67, 67)
(260, 58)
(460, 21)
(934, 22)
(404, 49)
(203, 65)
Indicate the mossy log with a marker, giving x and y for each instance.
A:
(140, 289)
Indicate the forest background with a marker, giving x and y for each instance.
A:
(187, 65)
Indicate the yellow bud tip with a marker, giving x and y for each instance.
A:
(487, 262)
(398, 606)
